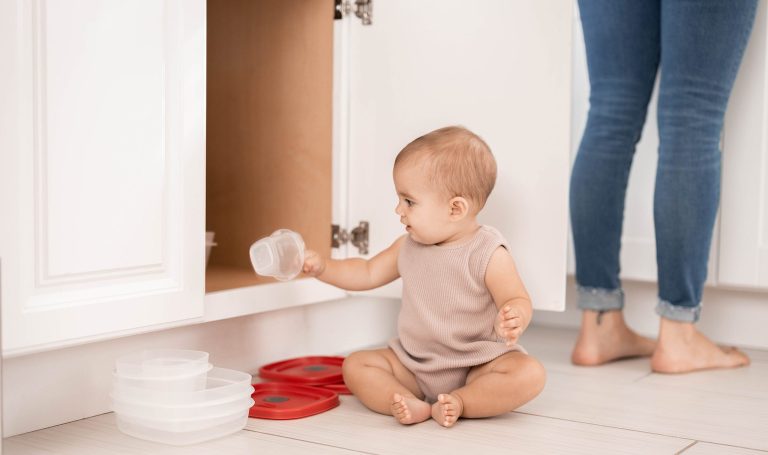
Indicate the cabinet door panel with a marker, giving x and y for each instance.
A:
(497, 67)
(102, 168)
(744, 208)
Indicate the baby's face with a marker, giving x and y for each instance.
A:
(424, 210)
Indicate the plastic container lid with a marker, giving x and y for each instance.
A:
(341, 389)
(168, 384)
(281, 255)
(162, 363)
(221, 385)
(281, 401)
(305, 370)
(154, 412)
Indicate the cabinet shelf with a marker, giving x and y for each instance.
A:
(218, 278)
(268, 296)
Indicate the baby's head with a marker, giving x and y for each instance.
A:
(456, 162)
(443, 180)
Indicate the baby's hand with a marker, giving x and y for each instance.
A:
(314, 265)
(509, 324)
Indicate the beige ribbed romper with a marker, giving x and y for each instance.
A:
(445, 325)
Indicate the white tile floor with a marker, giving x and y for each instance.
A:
(617, 408)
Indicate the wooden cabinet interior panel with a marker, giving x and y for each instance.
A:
(269, 126)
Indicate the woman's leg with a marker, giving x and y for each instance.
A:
(702, 44)
(622, 43)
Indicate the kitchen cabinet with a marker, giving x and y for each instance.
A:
(101, 168)
(133, 127)
(744, 199)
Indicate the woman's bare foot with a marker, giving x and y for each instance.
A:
(605, 337)
(447, 409)
(682, 349)
(408, 410)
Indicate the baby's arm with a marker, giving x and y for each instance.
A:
(355, 274)
(510, 296)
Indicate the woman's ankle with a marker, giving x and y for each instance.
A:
(603, 318)
(669, 329)
(605, 337)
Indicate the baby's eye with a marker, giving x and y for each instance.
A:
(409, 202)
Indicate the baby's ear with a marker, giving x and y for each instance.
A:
(459, 208)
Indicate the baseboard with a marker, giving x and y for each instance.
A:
(730, 317)
(54, 387)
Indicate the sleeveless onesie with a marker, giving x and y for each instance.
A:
(445, 325)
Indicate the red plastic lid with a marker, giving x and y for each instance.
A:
(341, 389)
(305, 370)
(280, 401)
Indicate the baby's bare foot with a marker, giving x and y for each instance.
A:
(408, 410)
(447, 409)
(605, 337)
(683, 349)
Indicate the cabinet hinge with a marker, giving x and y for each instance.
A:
(358, 236)
(362, 9)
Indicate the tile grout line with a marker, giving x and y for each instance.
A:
(687, 447)
(684, 438)
(646, 375)
(308, 441)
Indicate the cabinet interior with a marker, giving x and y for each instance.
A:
(269, 129)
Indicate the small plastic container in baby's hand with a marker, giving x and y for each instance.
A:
(281, 255)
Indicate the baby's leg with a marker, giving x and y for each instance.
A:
(381, 382)
(497, 387)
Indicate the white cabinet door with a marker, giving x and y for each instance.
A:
(501, 68)
(744, 207)
(101, 167)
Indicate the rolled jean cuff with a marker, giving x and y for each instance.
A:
(598, 299)
(677, 312)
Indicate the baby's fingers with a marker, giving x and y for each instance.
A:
(509, 325)
(512, 323)
(511, 336)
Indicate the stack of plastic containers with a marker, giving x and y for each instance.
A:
(176, 397)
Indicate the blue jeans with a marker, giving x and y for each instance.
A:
(696, 46)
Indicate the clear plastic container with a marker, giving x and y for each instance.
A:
(221, 385)
(281, 255)
(160, 363)
(184, 425)
(209, 243)
(150, 411)
(215, 428)
(168, 384)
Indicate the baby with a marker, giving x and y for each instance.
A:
(464, 305)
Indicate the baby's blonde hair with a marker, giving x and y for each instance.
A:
(457, 160)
